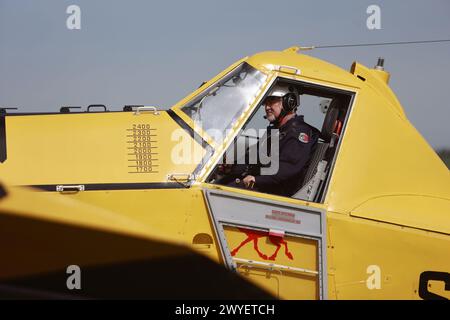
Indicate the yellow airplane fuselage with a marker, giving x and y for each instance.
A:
(383, 227)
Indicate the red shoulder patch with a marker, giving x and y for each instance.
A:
(303, 137)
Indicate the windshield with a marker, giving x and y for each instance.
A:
(216, 109)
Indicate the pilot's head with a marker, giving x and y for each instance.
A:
(281, 101)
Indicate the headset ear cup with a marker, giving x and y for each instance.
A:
(289, 102)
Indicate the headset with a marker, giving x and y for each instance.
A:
(289, 102)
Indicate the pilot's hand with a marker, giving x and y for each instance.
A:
(249, 181)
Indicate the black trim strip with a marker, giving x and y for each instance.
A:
(116, 186)
(2, 138)
(194, 135)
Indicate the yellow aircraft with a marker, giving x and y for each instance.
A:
(370, 220)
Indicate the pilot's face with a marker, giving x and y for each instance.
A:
(273, 106)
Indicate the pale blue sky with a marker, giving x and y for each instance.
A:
(155, 52)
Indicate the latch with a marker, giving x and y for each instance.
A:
(276, 233)
(69, 188)
(180, 177)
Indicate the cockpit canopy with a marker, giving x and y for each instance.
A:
(218, 107)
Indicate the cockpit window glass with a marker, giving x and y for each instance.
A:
(216, 109)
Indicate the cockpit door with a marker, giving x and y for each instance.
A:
(279, 246)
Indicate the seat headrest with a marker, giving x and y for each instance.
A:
(330, 121)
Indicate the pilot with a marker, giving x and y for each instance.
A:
(297, 140)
